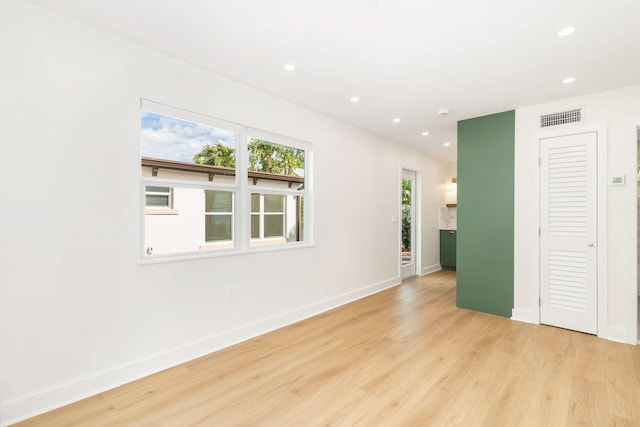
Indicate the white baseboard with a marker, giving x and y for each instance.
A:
(622, 335)
(430, 269)
(47, 400)
(526, 316)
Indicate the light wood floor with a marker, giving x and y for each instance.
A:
(404, 357)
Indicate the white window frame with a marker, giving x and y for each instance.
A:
(241, 189)
(304, 193)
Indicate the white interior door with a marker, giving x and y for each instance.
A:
(408, 225)
(568, 232)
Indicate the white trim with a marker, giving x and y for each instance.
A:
(430, 269)
(192, 256)
(29, 406)
(418, 222)
(635, 333)
(526, 316)
(601, 131)
(604, 330)
(617, 334)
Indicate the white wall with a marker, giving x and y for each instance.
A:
(618, 113)
(77, 313)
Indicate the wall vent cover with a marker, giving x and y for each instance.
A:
(561, 118)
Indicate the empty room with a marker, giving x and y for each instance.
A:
(313, 213)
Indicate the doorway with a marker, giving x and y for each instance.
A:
(408, 244)
(568, 232)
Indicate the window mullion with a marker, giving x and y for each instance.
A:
(242, 212)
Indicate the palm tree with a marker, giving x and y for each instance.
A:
(216, 155)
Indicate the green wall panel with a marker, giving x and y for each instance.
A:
(485, 213)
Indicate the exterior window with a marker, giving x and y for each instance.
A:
(268, 217)
(193, 197)
(218, 215)
(158, 197)
(276, 173)
(189, 173)
(273, 215)
(276, 218)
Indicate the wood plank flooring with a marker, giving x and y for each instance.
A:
(404, 357)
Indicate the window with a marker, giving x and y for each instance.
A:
(278, 171)
(218, 216)
(158, 197)
(267, 216)
(190, 167)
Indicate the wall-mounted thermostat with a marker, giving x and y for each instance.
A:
(617, 180)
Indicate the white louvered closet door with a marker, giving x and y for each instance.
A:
(568, 246)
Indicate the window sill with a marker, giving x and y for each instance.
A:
(227, 244)
(161, 211)
(192, 256)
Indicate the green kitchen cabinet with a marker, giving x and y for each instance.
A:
(448, 249)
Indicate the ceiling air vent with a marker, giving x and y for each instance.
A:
(561, 118)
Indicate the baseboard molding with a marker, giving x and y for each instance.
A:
(47, 400)
(526, 316)
(621, 335)
(430, 269)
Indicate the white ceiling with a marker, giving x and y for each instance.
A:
(402, 58)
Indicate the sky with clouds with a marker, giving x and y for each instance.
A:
(165, 137)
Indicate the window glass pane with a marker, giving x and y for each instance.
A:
(174, 148)
(218, 201)
(273, 203)
(406, 221)
(270, 228)
(255, 202)
(299, 229)
(154, 189)
(155, 200)
(276, 165)
(218, 227)
(255, 226)
(273, 226)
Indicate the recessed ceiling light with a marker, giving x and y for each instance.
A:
(566, 31)
(425, 133)
(446, 144)
(289, 67)
(396, 120)
(569, 80)
(354, 99)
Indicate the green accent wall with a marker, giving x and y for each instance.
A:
(485, 213)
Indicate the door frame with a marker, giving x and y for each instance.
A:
(635, 307)
(601, 189)
(416, 247)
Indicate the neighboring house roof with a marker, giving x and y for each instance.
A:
(212, 171)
